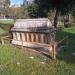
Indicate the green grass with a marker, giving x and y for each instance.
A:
(66, 54)
(7, 21)
(2, 31)
(5, 26)
(14, 61)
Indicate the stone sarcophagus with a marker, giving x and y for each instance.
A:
(32, 32)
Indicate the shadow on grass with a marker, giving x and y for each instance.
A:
(6, 26)
(66, 54)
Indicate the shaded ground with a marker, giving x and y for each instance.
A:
(66, 53)
(2, 31)
(5, 27)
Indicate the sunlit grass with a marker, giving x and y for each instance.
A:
(14, 61)
(11, 21)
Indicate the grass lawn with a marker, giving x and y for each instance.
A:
(67, 53)
(7, 21)
(5, 26)
(2, 31)
(14, 61)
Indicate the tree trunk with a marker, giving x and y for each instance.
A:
(66, 21)
(56, 18)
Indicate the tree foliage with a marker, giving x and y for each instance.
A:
(4, 6)
(17, 12)
(63, 6)
(58, 6)
(33, 10)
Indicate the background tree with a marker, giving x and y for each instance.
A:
(58, 6)
(33, 10)
(24, 12)
(73, 14)
(16, 12)
(4, 6)
(24, 6)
